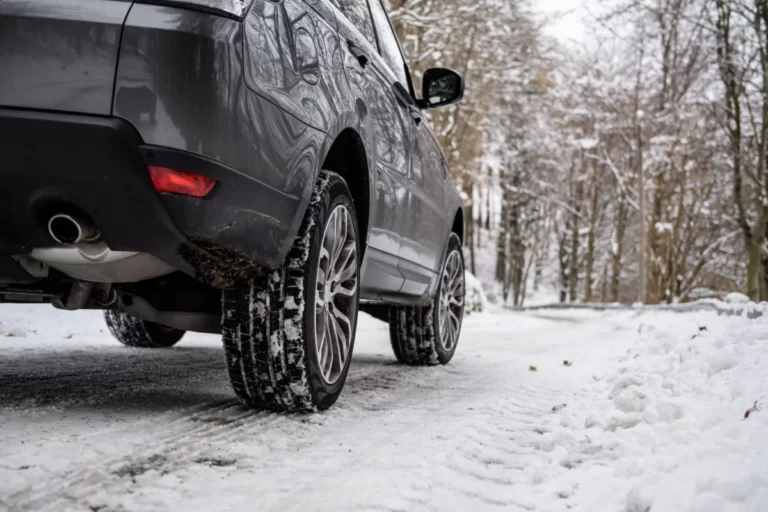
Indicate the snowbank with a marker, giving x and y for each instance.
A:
(736, 304)
(668, 427)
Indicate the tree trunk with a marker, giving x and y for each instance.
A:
(643, 234)
(488, 211)
(761, 27)
(588, 277)
(573, 264)
(538, 272)
(516, 246)
(730, 76)
(753, 270)
(502, 240)
(655, 246)
(479, 223)
(562, 257)
(604, 288)
(618, 248)
(573, 257)
(590, 263)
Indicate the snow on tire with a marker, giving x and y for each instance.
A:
(288, 335)
(428, 335)
(133, 332)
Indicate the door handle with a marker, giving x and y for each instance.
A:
(415, 113)
(359, 53)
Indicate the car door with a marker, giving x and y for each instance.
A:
(422, 235)
(385, 112)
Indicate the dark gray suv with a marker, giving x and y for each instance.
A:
(257, 168)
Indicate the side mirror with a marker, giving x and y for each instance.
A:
(440, 87)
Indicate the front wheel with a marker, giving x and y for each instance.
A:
(288, 335)
(428, 335)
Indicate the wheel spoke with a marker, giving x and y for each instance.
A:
(453, 320)
(457, 287)
(348, 265)
(340, 349)
(338, 340)
(323, 348)
(328, 367)
(331, 331)
(344, 326)
(451, 336)
(455, 267)
(347, 291)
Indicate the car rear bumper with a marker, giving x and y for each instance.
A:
(55, 162)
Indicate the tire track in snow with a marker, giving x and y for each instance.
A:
(489, 458)
(479, 420)
(500, 445)
(192, 434)
(496, 457)
(210, 423)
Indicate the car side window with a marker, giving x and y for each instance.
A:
(390, 49)
(356, 11)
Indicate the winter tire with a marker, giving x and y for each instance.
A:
(428, 335)
(132, 332)
(288, 335)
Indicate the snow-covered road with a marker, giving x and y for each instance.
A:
(648, 415)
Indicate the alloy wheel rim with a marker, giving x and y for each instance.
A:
(451, 308)
(336, 294)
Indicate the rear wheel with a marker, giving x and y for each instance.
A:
(428, 335)
(133, 332)
(288, 335)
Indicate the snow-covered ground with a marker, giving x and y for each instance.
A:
(647, 414)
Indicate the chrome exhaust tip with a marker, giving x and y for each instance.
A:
(70, 230)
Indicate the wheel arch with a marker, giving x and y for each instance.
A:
(458, 228)
(348, 158)
(458, 224)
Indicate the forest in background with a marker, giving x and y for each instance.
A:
(629, 168)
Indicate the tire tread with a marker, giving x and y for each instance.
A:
(264, 325)
(412, 330)
(133, 332)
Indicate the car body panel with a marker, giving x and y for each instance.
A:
(371, 85)
(180, 83)
(60, 54)
(292, 58)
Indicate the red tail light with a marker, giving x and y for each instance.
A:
(179, 182)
